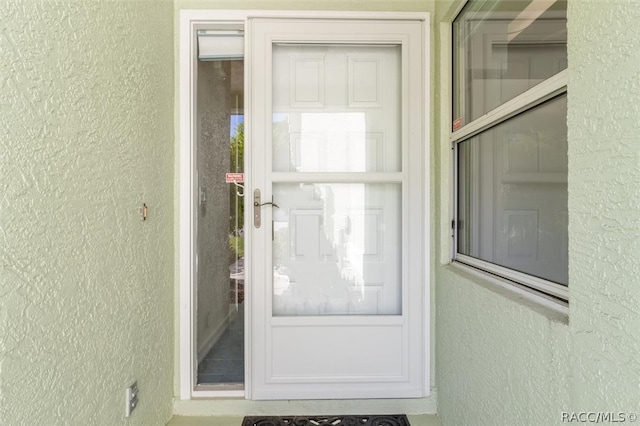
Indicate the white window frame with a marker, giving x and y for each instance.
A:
(525, 284)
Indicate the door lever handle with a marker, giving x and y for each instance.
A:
(257, 214)
(257, 204)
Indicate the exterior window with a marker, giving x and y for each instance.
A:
(510, 141)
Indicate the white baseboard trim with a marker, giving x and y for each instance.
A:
(240, 406)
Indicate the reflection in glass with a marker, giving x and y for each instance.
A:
(502, 49)
(219, 319)
(336, 108)
(512, 186)
(337, 249)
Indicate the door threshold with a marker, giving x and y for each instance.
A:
(219, 387)
(201, 405)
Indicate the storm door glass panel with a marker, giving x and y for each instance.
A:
(337, 249)
(336, 109)
(337, 240)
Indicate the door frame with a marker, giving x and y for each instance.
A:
(189, 22)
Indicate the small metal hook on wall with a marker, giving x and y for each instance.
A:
(240, 192)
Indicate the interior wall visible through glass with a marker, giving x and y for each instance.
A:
(220, 227)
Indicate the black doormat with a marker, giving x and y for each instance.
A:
(373, 420)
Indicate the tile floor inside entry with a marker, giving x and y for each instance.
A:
(225, 361)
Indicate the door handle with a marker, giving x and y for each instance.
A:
(257, 214)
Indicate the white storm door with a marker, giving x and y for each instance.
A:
(337, 250)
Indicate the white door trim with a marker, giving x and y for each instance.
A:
(189, 21)
(391, 369)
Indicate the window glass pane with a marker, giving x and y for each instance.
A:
(512, 193)
(337, 249)
(336, 108)
(502, 49)
(219, 319)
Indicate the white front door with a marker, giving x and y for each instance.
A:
(338, 268)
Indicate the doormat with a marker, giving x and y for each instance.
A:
(373, 420)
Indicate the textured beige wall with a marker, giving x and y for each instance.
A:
(604, 203)
(86, 125)
(501, 360)
(385, 5)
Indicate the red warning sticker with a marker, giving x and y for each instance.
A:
(234, 177)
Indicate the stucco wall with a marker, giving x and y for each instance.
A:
(361, 5)
(604, 203)
(501, 360)
(86, 287)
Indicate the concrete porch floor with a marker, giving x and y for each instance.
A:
(414, 419)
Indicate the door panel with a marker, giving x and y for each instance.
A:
(337, 267)
(330, 344)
